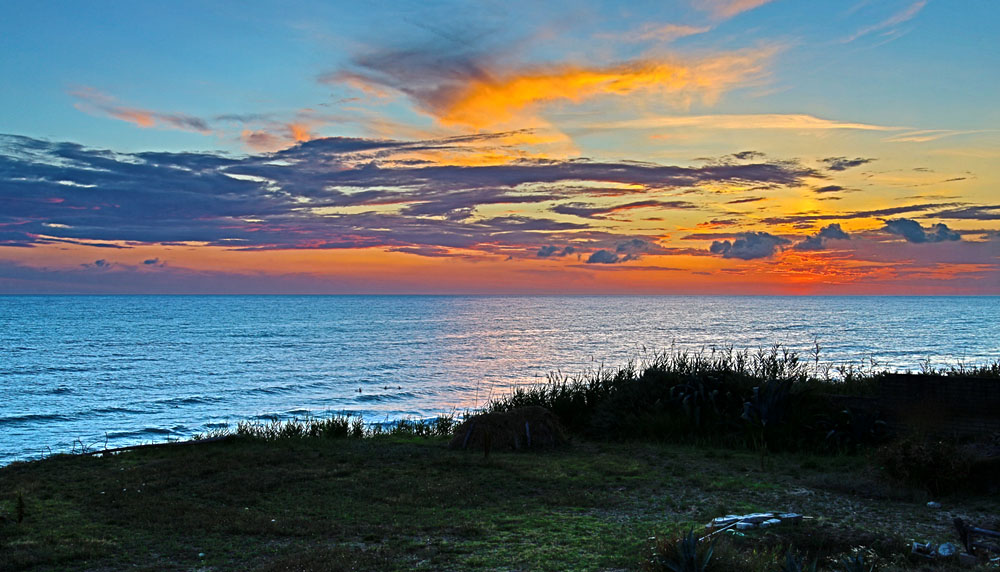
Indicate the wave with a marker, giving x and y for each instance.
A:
(383, 397)
(288, 388)
(33, 418)
(116, 410)
(190, 400)
(158, 431)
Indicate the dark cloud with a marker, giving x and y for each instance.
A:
(748, 155)
(625, 251)
(748, 246)
(632, 249)
(829, 189)
(101, 264)
(818, 240)
(984, 212)
(708, 236)
(721, 222)
(293, 199)
(431, 73)
(427, 251)
(913, 232)
(151, 261)
(941, 233)
(603, 257)
(550, 250)
(878, 213)
(843, 163)
(584, 211)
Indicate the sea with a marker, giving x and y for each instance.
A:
(90, 372)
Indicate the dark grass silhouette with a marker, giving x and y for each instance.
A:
(530, 427)
(764, 400)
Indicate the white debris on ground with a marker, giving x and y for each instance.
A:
(750, 521)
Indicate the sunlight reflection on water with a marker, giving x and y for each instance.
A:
(142, 368)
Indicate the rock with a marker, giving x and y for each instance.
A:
(947, 550)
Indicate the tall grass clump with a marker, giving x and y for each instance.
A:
(340, 426)
(725, 397)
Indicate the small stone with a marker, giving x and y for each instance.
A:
(933, 504)
(790, 517)
(757, 517)
(723, 521)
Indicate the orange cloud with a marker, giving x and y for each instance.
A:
(137, 116)
(95, 102)
(279, 136)
(793, 121)
(260, 140)
(500, 99)
(725, 9)
(300, 132)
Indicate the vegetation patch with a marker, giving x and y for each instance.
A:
(652, 454)
(530, 427)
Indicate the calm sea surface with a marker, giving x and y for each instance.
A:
(128, 369)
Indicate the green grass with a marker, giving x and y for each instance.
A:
(660, 449)
(395, 502)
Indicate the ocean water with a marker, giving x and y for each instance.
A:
(114, 370)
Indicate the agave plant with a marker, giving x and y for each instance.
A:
(687, 555)
(855, 563)
(795, 564)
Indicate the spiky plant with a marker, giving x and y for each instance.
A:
(796, 564)
(686, 555)
(855, 563)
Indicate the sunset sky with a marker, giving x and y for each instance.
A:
(685, 147)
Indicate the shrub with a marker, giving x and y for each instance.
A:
(937, 465)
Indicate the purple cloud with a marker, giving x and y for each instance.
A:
(64, 192)
(818, 240)
(913, 232)
(748, 246)
(843, 163)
